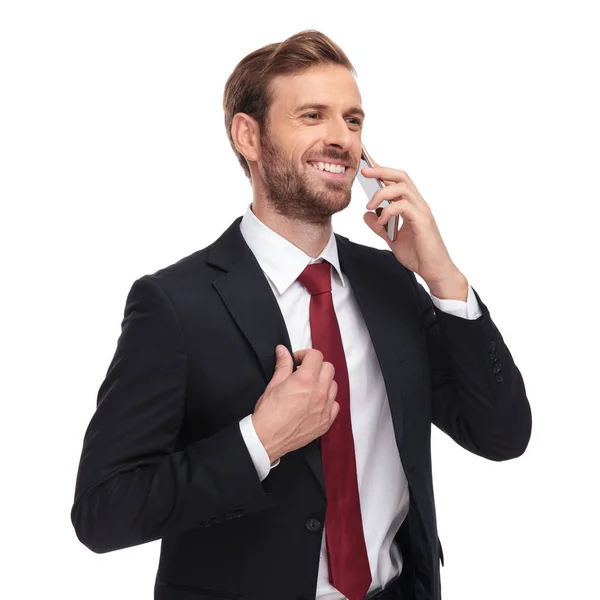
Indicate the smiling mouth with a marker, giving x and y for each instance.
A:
(330, 174)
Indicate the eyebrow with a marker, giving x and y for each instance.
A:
(353, 110)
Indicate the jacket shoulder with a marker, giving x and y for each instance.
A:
(380, 258)
(183, 279)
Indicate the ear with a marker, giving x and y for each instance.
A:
(245, 134)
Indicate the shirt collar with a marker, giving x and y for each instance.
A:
(280, 260)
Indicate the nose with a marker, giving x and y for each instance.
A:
(338, 134)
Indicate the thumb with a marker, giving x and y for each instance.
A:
(284, 364)
(370, 218)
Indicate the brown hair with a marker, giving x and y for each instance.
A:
(247, 89)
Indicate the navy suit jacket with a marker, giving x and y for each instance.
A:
(163, 456)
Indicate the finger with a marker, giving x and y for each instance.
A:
(284, 365)
(335, 410)
(332, 393)
(370, 219)
(327, 373)
(384, 181)
(300, 354)
(391, 192)
(403, 208)
(310, 359)
(389, 174)
(398, 191)
(395, 176)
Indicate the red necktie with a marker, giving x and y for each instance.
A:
(349, 570)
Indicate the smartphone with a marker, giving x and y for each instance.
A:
(371, 185)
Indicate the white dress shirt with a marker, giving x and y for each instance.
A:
(382, 485)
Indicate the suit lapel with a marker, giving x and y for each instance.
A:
(249, 299)
(383, 294)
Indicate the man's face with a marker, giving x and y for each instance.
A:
(315, 117)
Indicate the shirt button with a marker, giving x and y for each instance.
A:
(313, 525)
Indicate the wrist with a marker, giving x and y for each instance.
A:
(455, 287)
(265, 439)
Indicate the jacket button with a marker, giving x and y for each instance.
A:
(313, 525)
(498, 377)
(492, 346)
(497, 367)
(493, 356)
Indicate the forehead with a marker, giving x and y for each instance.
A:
(333, 85)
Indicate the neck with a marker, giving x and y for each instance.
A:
(311, 238)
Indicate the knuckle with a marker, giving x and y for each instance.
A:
(309, 378)
(334, 412)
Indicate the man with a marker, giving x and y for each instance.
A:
(268, 410)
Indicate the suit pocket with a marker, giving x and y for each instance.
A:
(168, 591)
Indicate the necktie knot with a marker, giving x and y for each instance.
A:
(316, 278)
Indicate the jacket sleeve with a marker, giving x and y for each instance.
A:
(478, 393)
(133, 484)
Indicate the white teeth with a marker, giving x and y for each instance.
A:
(329, 167)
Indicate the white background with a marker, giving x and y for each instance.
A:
(115, 163)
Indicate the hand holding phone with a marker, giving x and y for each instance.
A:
(371, 185)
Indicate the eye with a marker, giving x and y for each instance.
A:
(356, 121)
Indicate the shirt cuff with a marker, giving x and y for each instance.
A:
(257, 451)
(466, 310)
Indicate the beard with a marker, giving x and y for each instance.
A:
(294, 194)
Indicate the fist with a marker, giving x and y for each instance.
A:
(296, 407)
